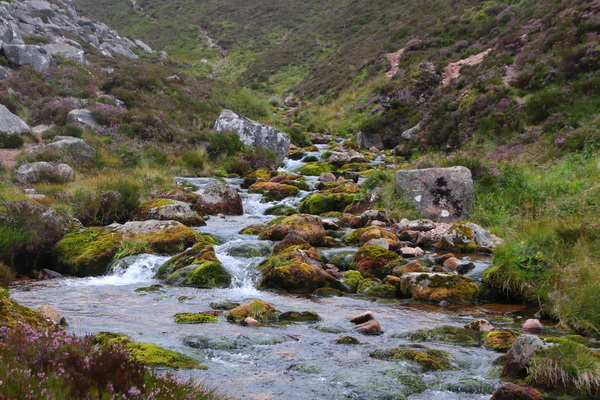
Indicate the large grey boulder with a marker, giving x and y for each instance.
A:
(79, 150)
(441, 194)
(44, 171)
(4, 74)
(368, 140)
(82, 117)
(217, 198)
(255, 134)
(10, 34)
(517, 358)
(12, 124)
(119, 46)
(26, 55)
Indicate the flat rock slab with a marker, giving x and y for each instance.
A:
(441, 194)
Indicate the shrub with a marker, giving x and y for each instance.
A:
(195, 161)
(7, 275)
(224, 143)
(53, 112)
(10, 141)
(112, 202)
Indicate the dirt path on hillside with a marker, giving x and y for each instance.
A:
(8, 156)
(394, 59)
(452, 70)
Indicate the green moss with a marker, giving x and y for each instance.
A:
(456, 289)
(195, 318)
(87, 252)
(429, 359)
(304, 316)
(500, 340)
(348, 340)
(170, 240)
(148, 206)
(13, 314)
(327, 292)
(372, 261)
(281, 210)
(253, 230)
(147, 353)
(149, 289)
(208, 275)
(274, 191)
(315, 168)
(259, 310)
(352, 279)
(320, 203)
(445, 334)
(199, 253)
(386, 290)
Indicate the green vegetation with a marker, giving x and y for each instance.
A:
(195, 318)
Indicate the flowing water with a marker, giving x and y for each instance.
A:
(273, 361)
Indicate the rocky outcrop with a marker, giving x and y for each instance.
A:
(434, 287)
(44, 172)
(441, 194)
(255, 134)
(11, 124)
(82, 117)
(63, 33)
(218, 198)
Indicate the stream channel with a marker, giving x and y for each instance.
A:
(280, 360)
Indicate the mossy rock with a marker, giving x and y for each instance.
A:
(304, 316)
(225, 305)
(500, 340)
(384, 290)
(246, 250)
(87, 252)
(14, 315)
(208, 275)
(253, 230)
(428, 359)
(434, 287)
(352, 280)
(169, 241)
(273, 191)
(348, 340)
(315, 168)
(309, 227)
(327, 292)
(280, 209)
(149, 289)
(257, 309)
(195, 318)
(321, 203)
(444, 334)
(147, 353)
(341, 259)
(169, 210)
(357, 167)
(372, 261)
(199, 253)
(361, 236)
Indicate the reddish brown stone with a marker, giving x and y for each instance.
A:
(362, 318)
(369, 328)
(510, 391)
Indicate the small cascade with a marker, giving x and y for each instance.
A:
(136, 269)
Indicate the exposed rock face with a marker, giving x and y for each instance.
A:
(255, 134)
(82, 117)
(75, 147)
(217, 198)
(40, 171)
(55, 22)
(519, 355)
(441, 194)
(52, 314)
(12, 124)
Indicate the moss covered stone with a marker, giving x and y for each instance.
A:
(327, 292)
(304, 316)
(209, 274)
(352, 280)
(273, 190)
(147, 353)
(253, 230)
(320, 203)
(167, 210)
(199, 253)
(308, 227)
(445, 334)
(315, 168)
(195, 318)
(380, 290)
(280, 209)
(434, 287)
(348, 340)
(428, 359)
(257, 309)
(13, 314)
(87, 252)
(372, 261)
(361, 236)
(500, 340)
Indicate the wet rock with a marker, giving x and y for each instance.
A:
(319, 139)
(256, 309)
(435, 287)
(309, 227)
(510, 391)
(226, 305)
(441, 194)
(44, 172)
(533, 325)
(304, 316)
(327, 177)
(281, 209)
(452, 263)
(206, 341)
(52, 314)
(11, 124)
(348, 340)
(362, 235)
(372, 261)
(519, 355)
(166, 209)
(330, 328)
(466, 237)
(327, 201)
(327, 292)
(444, 334)
(46, 274)
(352, 280)
(364, 317)
(273, 191)
(371, 327)
(249, 249)
(329, 224)
(480, 325)
(218, 198)
(411, 266)
(500, 340)
(255, 134)
(428, 359)
(381, 242)
(248, 321)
